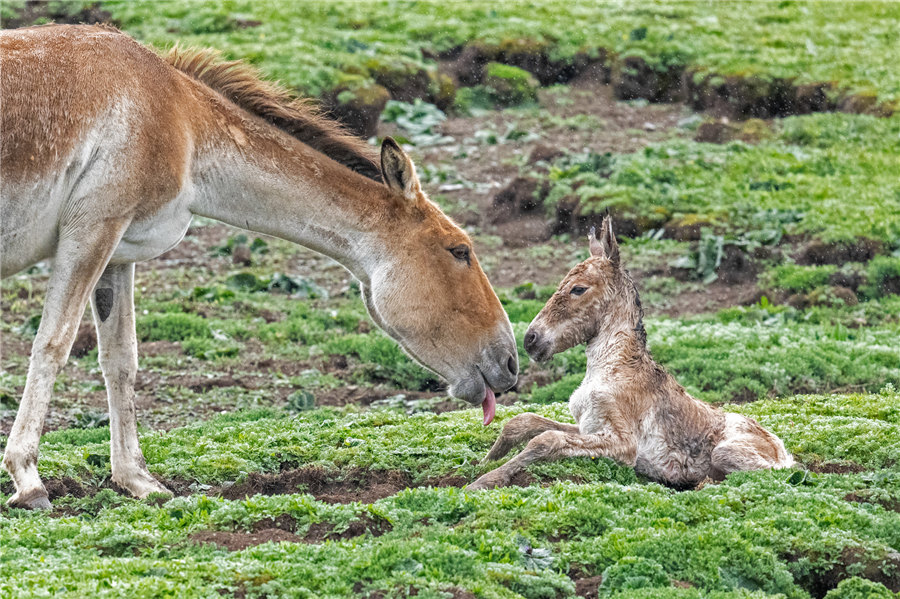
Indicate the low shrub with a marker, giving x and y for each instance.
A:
(799, 279)
(172, 326)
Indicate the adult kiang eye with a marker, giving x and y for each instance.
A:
(578, 290)
(461, 253)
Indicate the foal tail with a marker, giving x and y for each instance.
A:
(242, 84)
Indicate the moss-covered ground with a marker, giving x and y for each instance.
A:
(311, 458)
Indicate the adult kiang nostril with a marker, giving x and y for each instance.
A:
(511, 365)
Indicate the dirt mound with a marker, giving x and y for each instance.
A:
(284, 528)
(588, 587)
(835, 467)
(85, 340)
(466, 64)
(522, 196)
(736, 266)
(60, 487)
(358, 108)
(633, 78)
(57, 12)
(865, 496)
(355, 485)
(237, 541)
(859, 250)
(322, 531)
(853, 561)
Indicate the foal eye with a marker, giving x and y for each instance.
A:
(461, 253)
(578, 290)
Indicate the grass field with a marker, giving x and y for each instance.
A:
(311, 45)
(778, 532)
(310, 457)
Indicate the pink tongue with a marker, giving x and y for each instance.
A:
(489, 405)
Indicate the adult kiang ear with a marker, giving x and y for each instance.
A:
(606, 246)
(398, 171)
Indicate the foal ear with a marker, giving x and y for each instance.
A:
(606, 246)
(398, 171)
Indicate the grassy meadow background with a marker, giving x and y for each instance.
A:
(750, 154)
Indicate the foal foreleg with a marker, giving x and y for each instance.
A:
(524, 427)
(112, 304)
(553, 445)
(80, 258)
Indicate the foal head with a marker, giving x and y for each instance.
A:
(596, 297)
(429, 293)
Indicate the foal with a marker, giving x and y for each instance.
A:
(627, 408)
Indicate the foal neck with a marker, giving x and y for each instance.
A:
(620, 344)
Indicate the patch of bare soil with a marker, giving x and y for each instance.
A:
(355, 485)
(588, 587)
(238, 541)
(818, 252)
(873, 565)
(865, 496)
(284, 528)
(324, 531)
(67, 486)
(409, 591)
(61, 487)
(714, 296)
(835, 467)
(364, 396)
(586, 116)
(586, 582)
(85, 340)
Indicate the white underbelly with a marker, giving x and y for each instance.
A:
(28, 228)
(147, 239)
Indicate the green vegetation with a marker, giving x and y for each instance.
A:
(831, 176)
(805, 42)
(172, 326)
(738, 354)
(861, 430)
(792, 277)
(419, 120)
(859, 588)
(774, 532)
(882, 276)
(262, 373)
(509, 85)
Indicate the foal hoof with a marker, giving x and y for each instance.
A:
(35, 499)
(486, 482)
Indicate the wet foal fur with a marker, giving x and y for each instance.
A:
(628, 407)
(108, 151)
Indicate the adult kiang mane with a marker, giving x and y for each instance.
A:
(241, 84)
